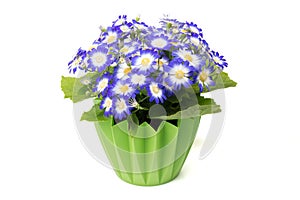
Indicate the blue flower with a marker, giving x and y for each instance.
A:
(204, 46)
(139, 79)
(106, 105)
(161, 42)
(194, 39)
(204, 78)
(111, 36)
(139, 25)
(145, 61)
(179, 74)
(187, 55)
(161, 63)
(121, 20)
(173, 24)
(99, 59)
(123, 71)
(193, 28)
(121, 108)
(102, 83)
(77, 61)
(156, 92)
(218, 59)
(129, 48)
(126, 27)
(123, 88)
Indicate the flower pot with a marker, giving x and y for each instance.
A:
(148, 157)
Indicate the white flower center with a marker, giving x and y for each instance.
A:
(138, 79)
(120, 105)
(159, 43)
(124, 28)
(99, 59)
(217, 60)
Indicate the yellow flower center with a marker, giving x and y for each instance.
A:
(102, 85)
(111, 39)
(179, 74)
(108, 103)
(124, 50)
(127, 71)
(155, 89)
(124, 88)
(160, 63)
(203, 76)
(188, 57)
(145, 62)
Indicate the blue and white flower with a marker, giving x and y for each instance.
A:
(99, 59)
(121, 20)
(219, 59)
(179, 74)
(193, 28)
(194, 39)
(126, 27)
(106, 105)
(161, 63)
(111, 36)
(145, 61)
(156, 92)
(101, 83)
(77, 61)
(186, 55)
(204, 78)
(123, 71)
(161, 42)
(123, 88)
(129, 48)
(121, 109)
(139, 25)
(139, 79)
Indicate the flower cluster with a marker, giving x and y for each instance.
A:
(133, 58)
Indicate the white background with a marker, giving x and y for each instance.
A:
(41, 156)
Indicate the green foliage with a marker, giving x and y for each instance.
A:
(94, 114)
(74, 89)
(222, 81)
(205, 106)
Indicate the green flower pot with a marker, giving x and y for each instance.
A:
(148, 157)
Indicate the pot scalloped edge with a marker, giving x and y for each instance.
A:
(149, 157)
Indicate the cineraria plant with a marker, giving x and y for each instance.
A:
(133, 66)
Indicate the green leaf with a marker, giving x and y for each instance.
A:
(94, 114)
(222, 81)
(67, 84)
(133, 123)
(75, 90)
(205, 106)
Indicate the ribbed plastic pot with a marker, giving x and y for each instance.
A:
(148, 157)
